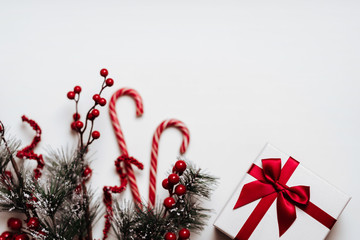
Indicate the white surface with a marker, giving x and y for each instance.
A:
(238, 73)
(322, 194)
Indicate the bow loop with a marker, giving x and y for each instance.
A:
(272, 169)
(299, 194)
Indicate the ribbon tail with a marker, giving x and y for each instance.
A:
(286, 213)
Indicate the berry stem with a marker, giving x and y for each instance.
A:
(86, 121)
(91, 128)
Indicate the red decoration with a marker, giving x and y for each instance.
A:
(102, 102)
(96, 98)
(170, 236)
(95, 134)
(90, 116)
(76, 116)
(22, 237)
(180, 190)
(7, 235)
(28, 152)
(71, 95)
(77, 89)
(166, 184)
(4, 238)
(73, 126)
(125, 172)
(184, 233)
(14, 223)
(104, 72)
(155, 148)
(109, 82)
(169, 202)
(78, 189)
(174, 178)
(271, 185)
(87, 172)
(79, 125)
(180, 166)
(33, 223)
(95, 112)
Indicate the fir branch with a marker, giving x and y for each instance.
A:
(131, 223)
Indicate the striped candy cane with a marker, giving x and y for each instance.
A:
(155, 148)
(120, 136)
(126, 174)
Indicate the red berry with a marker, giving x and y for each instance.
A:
(166, 184)
(102, 101)
(90, 116)
(95, 134)
(180, 190)
(96, 97)
(14, 223)
(169, 202)
(170, 236)
(95, 112)
(4, 238)
(180, 166)
(174, 178)
(73, 127)
(87, 172)
(184, 233)
(78, 189)
(109, 82)
(22, 237)
(77, 89)
(79, 125)
(7, 235)
(33, 223)
(104, 72)
(76, 116)
(71, 95)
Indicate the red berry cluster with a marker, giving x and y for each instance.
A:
(80, 126)
(171, 183)
(183, 234)
(15, 224)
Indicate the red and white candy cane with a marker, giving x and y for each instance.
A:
(155, 148)
(120, 136)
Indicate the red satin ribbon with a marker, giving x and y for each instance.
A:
(270, 185)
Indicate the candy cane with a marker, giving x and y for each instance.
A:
(155, 148)
(120, 136)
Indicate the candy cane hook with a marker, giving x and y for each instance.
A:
(155, 148)
(120, 136)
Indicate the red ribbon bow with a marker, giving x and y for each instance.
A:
(270, 185)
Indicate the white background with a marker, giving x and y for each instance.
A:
(238, 73)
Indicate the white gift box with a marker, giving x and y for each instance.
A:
(322, 194)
